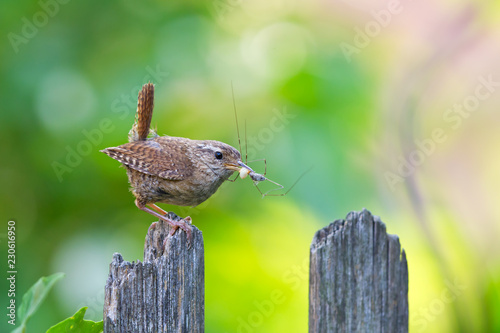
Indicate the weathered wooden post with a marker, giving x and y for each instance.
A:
(358, 278)
(165, 293)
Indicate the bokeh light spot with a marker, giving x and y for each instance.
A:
(277, 51)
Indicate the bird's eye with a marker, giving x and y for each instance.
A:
(218, 155)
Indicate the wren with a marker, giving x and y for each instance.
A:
(173, 170)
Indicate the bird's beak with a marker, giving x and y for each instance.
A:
(237, 167)
(232, 166)
(241, 167)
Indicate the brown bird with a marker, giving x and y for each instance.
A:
(173, 170)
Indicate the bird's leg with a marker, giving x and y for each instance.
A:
(162, 212)
(184, 224)
(158, 209)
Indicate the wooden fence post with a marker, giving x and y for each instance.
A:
(358, 278)
(165, 293)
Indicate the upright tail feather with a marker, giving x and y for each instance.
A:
(145, 104)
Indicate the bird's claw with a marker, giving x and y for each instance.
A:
(152, 227)
(184, 224)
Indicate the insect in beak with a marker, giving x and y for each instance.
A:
(256, 177)
(241, 167)
(244, 170)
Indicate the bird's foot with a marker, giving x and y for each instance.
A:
(184, 224)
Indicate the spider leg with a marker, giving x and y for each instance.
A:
(259, 160)
(235, 178)
(280, 187)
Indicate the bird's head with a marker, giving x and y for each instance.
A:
(220, 158)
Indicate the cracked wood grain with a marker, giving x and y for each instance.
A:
(165, 293)
(358, 278)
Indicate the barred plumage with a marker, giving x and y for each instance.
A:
(164, 157)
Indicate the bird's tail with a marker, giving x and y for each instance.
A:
(145, 103)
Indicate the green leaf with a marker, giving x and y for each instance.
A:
(77, 324)
(33, 298)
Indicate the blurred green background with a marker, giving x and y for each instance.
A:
(394, 103)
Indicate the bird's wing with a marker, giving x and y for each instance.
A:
(166, 160)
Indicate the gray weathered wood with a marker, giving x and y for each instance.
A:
(358, 278)
(165, 293)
